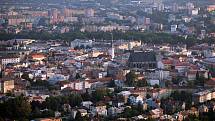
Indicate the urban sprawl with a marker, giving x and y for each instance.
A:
(107, 60)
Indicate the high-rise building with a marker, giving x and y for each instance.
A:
(55, 14)
(67, 12)
(147, 21)
(174, 28)
(112, 50)
(161, 7)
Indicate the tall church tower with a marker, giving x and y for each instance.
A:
(112, 50)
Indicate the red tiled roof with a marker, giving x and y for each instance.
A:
(37, 55)
(37, 98)
(167, 62)
(72, 50)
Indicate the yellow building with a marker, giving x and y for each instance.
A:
(6, 85)
(96, 53)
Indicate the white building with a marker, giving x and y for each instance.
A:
(81, 43)
(113, 111)
(195, 12)
(99, 109)
(9, 60)
(107, 28)
(77, 85)
(111, 52)
(174, 28)
(153, 82)
(54, 78)
(86, 104)
(204, 96)
(135, 99)
(158, 75)
(115, 16)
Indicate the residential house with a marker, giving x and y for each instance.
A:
(6, 85)
(113, 111)
(99, 108)
(182, 67)
(203, 109)
(86, 104)
(10, 59)
(76, 85)
(168, 63)
(203, 96)
(135, 99)
(156, 113)
(124, 95)
(83, 112)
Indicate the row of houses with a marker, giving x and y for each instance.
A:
(204, 96)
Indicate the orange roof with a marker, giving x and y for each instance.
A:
(38, 55)
(213, 79)
(72, 61)
(72, 50)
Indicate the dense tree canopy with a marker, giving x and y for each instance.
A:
(99, 94)
(15, 109)
(178, 97)
(54, 103)
(131, 78)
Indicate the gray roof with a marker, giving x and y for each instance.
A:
(142, 57)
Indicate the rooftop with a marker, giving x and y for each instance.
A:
(142, 57)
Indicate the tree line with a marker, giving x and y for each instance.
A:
(22, 109)
(146, 37)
